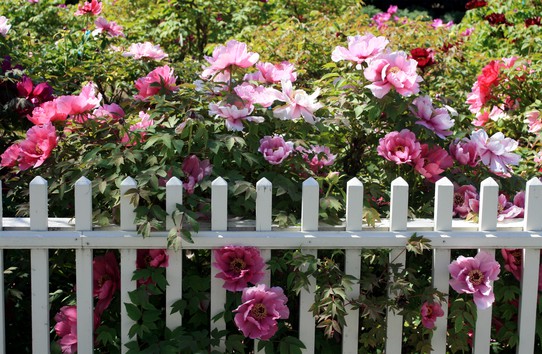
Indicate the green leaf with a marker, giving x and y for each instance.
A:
(133, 311)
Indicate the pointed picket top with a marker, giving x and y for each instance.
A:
(264, 196)
(533, 205)
(354, 205)
(310, 205)
(127, 210)
(399, 204)
(174, 196)
(1, 210)
(219, 204)
(489, 200)
(83, 204)
(38, 204)
(444, 202)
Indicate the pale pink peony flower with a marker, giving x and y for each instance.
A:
(534, 120)
(360, 49)
(38, 145)
(159, 80)
(10, 157)
(250, 94)
(464, 196)
(297, 104)
(432, 162)
(274, 149)
(399, 147)
(465, 152)
(195, 171)
(394, 70)
(90, 7)
(496, 151)
(234, 114)
(109, 111)
(317, 157)
(429, 313)
(145, 121)
(4, 26)
(519, 201)
(437, 120)
(112, 29)
(261, 307)
(145, 50)
(106, 275)
(273, 73)
(234, 53)
(506, 209)
(47, 113)
(81, 104)
(473, 275)
(437, 23)
(238, 266)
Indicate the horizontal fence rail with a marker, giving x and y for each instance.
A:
(39, 233)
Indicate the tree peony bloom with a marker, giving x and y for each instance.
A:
(152, 258)
(112, 29)
(437, 23)
(393, 70)
(38, 94)
(4, 27)
(519, 201)
(260, 309)
(473, 4)
(496, 151)
(81, 104)
(234, 114)
(513, 262)
(465, 152)
(424, 56)
(430, 312)
(145, 121)
(534, 120)
(317, 157)
(10, 157)
(432, 162)
(106, 276)
(297, 104)
(159, 80)
(111, 111)
(234, 53)
(533, 21)
(66, 328)
(38, 145)
(360, 49)
(250, 94)
(274, 149)
(238, 266)
(437, 120)
(145, 50)
(464, 198)
(497, 19)
(506, 209)
(195, 170)
(90, 7)
(399, 147)
(273, 73)
(473, 275)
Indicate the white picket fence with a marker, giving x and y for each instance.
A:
(40, 233)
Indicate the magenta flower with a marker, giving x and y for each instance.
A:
(465, 152)
(464, 197)
(273, 73)
(274, 149)
(66, 328)
(394, 70)
(47, 113)
(432, 162)
(238, 266)
(513, 262)
(10, 157)
(4, 26)
(360, 49)
(506, 209)
(112, 29)
(152, 258)
(38, 94)
(195, 170)
(38, 145)
(430, 312)
(145, 121)
(437, 120)
(437, 23)
(90, 7)
(159, 80)
(233, 54)
(519, 201)
(106, 276)
(297, 104)
(399, 147)
(473, 275)
(145, 50)
(81, 104)
(496, 152)
(261, 307)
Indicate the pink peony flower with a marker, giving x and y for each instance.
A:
(234, 53)
(238, 266)
(467, 32)
(432, 162)
(513, 262)
(112, 29)
(273, 73)
(38, 94)
(145, 50)
(464, 196)
(10, 157)
(90, 7)
(473, 275)
(437, 23)
(519, 201)
(111, 111)
(81, 104)
(360, 49)
(66, 328)
(47, 113)
(424, 56)
(297, 104)
(152, 258)
(274, 149)
(145, 121)
(393, 70)
(106, 276)
(38, 145)
(399, 147)
(496, 151)
(317, 157)
(234, 114)
(534, 120)
(4, 26)
(159, 80)
(506, 209)
(430, 312)
(250, 94)
(261, 307)
(465, 152)
(195, 170)
(437, 120)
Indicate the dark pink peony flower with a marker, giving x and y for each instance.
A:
(399, 147)
(432, 162)
(145, 50)
(10, 157)
(90, 7)
(106, 276)
(234, 53)
(66, 328)
(360, 49)
(81, 104)
(47, 113)
(152, 258)
(465, 152)
(160, 79)
(430, 312)
(463, 198)
(261, 307)
(497, 19)
(473, 4)
(473, 275)
(38, 94)
(238, 266)
(38, 145)
(111, 111)
(533, 21)
(195, 170)
(275, 149)
(513, 262)
(424, 56)
(437, 23)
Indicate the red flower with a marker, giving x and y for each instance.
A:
(533, 21)
(152, 258)
(424, 56)
(473, 4)
(497, 19)
(106, 276)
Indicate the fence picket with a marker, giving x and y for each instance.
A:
(219, 205)
(309, 205)
(350, 330)
(127, 267)
(307, 326)
(38, 204)
(354, 205)
(1, 208)
(39, 281)
(2, 299)
(218, 299)
(85, 301)
(264, 197)
(83, 204)
(127, 212)
(174, 196)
